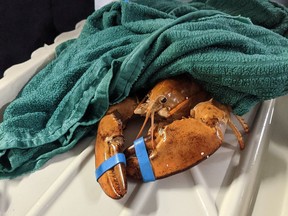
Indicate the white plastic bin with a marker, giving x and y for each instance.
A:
(225, 184)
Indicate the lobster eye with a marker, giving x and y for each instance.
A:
(163, 100)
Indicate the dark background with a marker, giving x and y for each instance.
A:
(26, 25)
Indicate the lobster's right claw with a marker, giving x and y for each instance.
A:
(109, 163)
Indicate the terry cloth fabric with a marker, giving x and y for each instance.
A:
(237, 50)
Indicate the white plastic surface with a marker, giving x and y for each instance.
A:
(225, 184)
(100, 3)
(272, 198)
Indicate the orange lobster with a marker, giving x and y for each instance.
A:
(187, 126)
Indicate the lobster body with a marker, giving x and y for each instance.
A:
(187, 126)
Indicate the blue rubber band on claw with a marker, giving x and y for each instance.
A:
(143, 160)
(110, 163)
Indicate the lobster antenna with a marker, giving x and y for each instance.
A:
(152, 129)
(143, 125)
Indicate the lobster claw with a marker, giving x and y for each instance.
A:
(139, 166)
(109, 163)
(179, 146)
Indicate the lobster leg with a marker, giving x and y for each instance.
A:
(243, 123)
(109, 145)
(237, 134)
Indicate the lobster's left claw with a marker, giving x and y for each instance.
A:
(180, 145)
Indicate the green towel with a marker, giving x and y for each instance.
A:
(237, 50)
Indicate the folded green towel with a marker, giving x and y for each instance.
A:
(127, 47)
